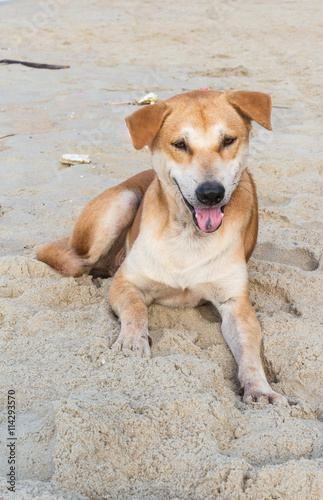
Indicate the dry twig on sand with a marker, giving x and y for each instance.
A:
(33, 65)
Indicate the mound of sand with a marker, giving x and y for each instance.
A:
(92, 424)
(168, 427)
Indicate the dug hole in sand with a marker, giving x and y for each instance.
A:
(92, 424)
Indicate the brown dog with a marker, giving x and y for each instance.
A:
(182, 233)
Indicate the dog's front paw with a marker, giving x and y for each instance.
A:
(133, 344)
(256, 394)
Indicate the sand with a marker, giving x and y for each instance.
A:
(91, 424)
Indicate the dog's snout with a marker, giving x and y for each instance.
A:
(210, 193)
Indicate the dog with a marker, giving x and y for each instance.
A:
(181, 233)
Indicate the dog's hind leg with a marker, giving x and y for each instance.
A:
(99, 226)
(103, 223)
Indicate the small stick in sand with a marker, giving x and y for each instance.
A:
(117, 103)
(33, 65)
(8, 135)
(4, 211)
(150, 98)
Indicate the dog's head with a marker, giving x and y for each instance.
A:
(199, 144)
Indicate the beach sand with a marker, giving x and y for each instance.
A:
(91, 424)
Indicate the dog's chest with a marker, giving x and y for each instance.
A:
(177, 264)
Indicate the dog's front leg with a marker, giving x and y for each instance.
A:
(241, 331)
(127, 303)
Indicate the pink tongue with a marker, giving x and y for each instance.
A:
(208, 219)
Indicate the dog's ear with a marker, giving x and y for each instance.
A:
(145, 123)
(255, 105)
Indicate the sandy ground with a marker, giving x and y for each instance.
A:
(92, 424)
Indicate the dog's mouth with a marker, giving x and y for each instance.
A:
(207, 219)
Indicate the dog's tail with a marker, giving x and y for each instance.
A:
(62, 257)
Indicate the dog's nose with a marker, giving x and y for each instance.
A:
(210, 193)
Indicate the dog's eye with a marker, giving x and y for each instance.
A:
(180, 145)
(227, 141)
